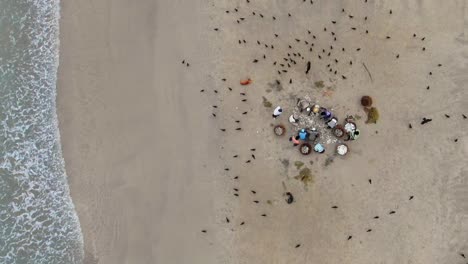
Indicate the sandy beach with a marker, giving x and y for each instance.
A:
(171, 160)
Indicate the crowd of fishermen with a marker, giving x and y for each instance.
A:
(307, 137)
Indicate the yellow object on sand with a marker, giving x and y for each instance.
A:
(372, 115)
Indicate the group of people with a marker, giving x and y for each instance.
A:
(349, 130)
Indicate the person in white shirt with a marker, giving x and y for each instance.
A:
(277, 112)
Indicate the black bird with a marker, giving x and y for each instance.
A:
(255, 61)
(411, 197)
(349, 238)
(298, 245)
(370, 181)
(235, 156)
(376, 217)
(202, 90)
(244, 113)
(368, 230)
(242, 223)
(213, 114)
(391, 212)
(216, 29)
(226, 169)
(256, 201)
(308, 67)
(253, 156)
(264, 215)
(204, 231)
(335, 207)
(464, 116)
(248, 161)
(447, 116)
(410, 126)
(239, 128)
(426, 120)
(254, 192)
(223, 129)
(227, 220)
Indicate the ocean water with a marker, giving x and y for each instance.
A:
(38, 223)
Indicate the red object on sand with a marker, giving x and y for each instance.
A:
(245, 82)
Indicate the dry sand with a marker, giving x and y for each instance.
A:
(128, 108)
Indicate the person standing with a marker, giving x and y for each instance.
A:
(277, 112)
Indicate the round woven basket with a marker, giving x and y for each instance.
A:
(305, 148)
(366, 101)
(342, 149)
(279, 130)
(338, 131)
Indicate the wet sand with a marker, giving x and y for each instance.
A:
(129, 104)
(134, 139)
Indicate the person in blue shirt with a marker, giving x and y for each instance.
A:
(303, 134)
(325, 114)
(319, 148)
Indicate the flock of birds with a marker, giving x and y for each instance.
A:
(314, 49)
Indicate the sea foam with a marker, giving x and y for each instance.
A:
(38, 223)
